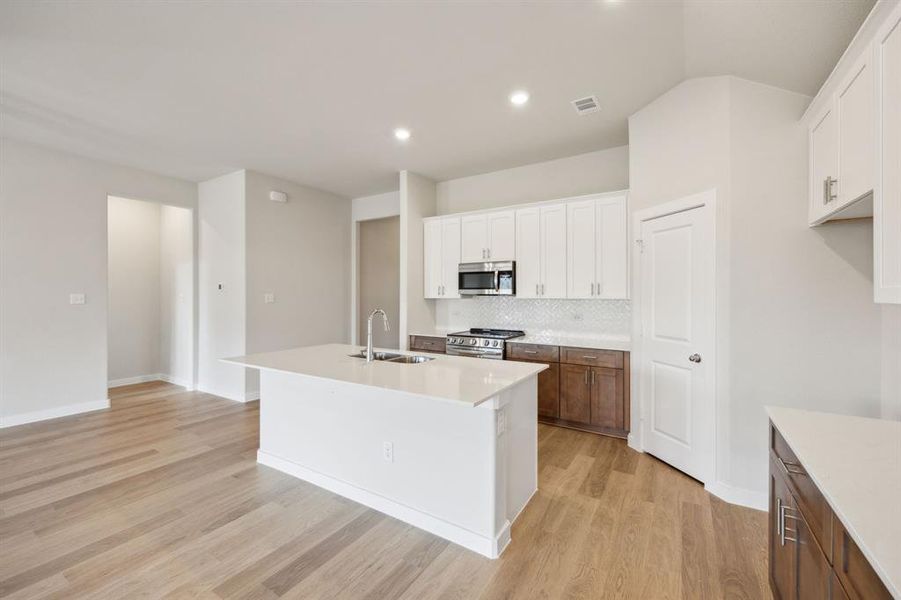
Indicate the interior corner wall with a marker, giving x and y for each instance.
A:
(600, 171)
(418, 199)
(796, 323)
(53, 242)
(891, 362)
(299, 251)
(176, 295)
(222, 285)
(134, 290)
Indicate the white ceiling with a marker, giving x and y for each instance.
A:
(312, 91)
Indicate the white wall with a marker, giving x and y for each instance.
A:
(379, 284)
(176, 293)
(796, 325)
(53, 242)
(300, 252)
(134, 290)
(599, 171)
(377, 206)
(222, 314)
(417, 201)
(891, 362)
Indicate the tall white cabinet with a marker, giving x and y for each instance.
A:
(441, 256)
(541, 252)
(887, 193)
(597, 248)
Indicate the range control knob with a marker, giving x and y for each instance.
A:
(472, 342)
(495, 343)
(485, 342)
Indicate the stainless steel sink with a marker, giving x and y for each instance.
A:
(394, 357)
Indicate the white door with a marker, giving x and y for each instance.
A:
(580, 250)
(473, 238)
(612, 261)
(450, 256)
(431, 237)
(502, 235)
(676, 346)
(553, 251)
(528, 261)
(856, 115)
(823, 165)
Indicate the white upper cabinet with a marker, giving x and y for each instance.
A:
(441, 256)
(597, 248)
(842, 147)
(887, 192)
(488, 236)
(541, 252)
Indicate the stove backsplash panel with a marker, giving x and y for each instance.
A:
(537, 316)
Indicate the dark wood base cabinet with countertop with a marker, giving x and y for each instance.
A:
(583, 388)
(811, 554)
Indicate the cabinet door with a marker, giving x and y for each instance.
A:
(553, 251)
(814, 571)
(549, 392)
(502, 235)
(580, 250)
(823, 138)
(887, 193)
(607, 397)
(575, 393)
(450, 256)
(612, 246)
(528, 261)
(474, 238)
(431, 238)
(855, 111)
(782, 552)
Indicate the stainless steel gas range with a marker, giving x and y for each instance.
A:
(481, 343)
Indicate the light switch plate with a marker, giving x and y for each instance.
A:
(268, 297)
(76, 299)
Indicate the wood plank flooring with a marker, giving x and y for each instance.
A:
(161, 497)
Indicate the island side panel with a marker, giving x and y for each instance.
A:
(522, 445)
(333, 433)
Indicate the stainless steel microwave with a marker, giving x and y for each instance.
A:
(487, 278)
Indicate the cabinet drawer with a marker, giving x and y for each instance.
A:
(536, 352)
(592, 358)
(428, 343)
(859, 580)
(816, 510)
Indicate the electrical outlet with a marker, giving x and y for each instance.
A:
(577, 316)
(388, 452)
(501, 421)
(76, 298)
(268, 298)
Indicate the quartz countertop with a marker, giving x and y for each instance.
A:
(468, 381)
(856, 464)
(622, 343)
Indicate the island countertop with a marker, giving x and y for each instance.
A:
(856, 464)
(469, 381)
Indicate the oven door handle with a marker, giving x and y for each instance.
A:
(497, 281)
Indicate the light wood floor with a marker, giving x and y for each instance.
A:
(160, 497)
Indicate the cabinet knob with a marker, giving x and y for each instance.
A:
(695, 358)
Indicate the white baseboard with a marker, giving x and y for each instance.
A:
(220, 394)
(737, 495)
(251, 396)
(485, 546)
(182, 382)
(114, 383)
(53, 413)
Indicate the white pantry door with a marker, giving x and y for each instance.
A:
(677, 322)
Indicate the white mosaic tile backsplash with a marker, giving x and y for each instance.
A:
(537, 316)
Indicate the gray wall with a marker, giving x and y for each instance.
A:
(379, 285)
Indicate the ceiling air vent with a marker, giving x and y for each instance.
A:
(586, 105)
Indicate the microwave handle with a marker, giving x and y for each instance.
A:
(497, 281)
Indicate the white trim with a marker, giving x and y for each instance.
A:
(736, 495)
(188, 385)
(492, 548)
(540, 203)
(53, 413)
(706, 199)
(251, 396)
(114, 383)
(221, 394)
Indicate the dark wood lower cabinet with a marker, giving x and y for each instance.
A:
(575, 393)
(607, 397)
(549, 392)
(801, 567)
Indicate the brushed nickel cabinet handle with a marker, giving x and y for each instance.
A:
(586, 377)
(592, 378)
(530, 352)
(586, 357)
(792, 468)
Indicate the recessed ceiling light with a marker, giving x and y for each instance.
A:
(519, 98)
(402, 134)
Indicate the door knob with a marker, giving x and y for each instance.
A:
(695, 358)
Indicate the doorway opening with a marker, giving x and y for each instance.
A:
(150, 327)
(378, 280)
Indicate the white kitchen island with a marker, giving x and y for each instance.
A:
(448, 445)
